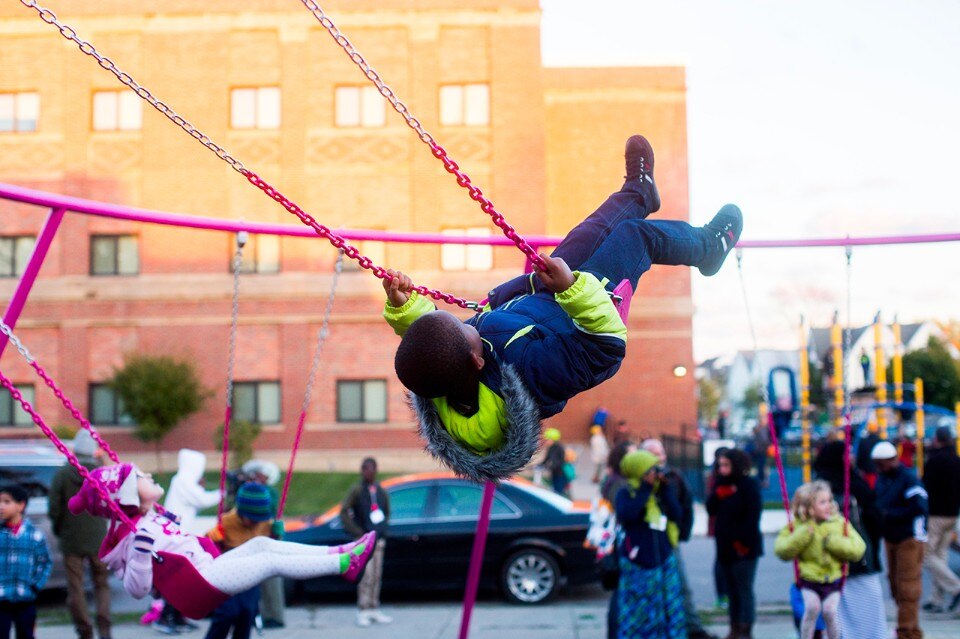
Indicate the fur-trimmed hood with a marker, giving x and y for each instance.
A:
(521, 438)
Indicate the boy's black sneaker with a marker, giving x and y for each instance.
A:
(639, 165)
(724, 229)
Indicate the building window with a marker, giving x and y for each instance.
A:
(261, 254)
(114, 255)
(465, 104)
(19, 112)
(106, 407)
(255, 108)
(374, 249)
(256, 402)
(362, 400)
(360, 106)
(11, 412)
(117, 111)
(467, 257)
(15, 252)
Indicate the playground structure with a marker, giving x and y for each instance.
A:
(60, 206)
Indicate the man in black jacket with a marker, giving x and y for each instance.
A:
(942, 481)
(367, 508)
(902, 501)
(695, 629)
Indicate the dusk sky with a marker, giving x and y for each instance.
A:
(819, 119)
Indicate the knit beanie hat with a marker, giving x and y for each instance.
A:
(120, 482)
(84, 444)
(635, 465)
(551, 434)
(254, 502)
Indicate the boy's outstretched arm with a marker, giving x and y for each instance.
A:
(403, 304)
(557, 277)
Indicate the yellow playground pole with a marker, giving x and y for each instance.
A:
(805, 401)
(897, 363)
(918, 394)
(880, 376)
(836, 342)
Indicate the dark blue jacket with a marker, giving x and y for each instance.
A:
(902, 501)
(556, 359)
(642, 544)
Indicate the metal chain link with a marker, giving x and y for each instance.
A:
(84, 424)
(66, 452)
(438, 151)
(322, 333)
(234, 314)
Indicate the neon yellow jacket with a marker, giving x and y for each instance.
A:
(821, 549)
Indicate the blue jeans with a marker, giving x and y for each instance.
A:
(740, 575)
(237, 612)
(617, 242)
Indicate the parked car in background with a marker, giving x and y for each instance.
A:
(535, 544)
(32, 463)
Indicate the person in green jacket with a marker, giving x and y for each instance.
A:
(80, 537)
(821, 544)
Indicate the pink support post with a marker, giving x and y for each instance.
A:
(476, 558)
(19, 299)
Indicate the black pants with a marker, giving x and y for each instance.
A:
(237, 612)
(21, 615)
(740, 575)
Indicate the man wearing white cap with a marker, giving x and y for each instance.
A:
(902, 502)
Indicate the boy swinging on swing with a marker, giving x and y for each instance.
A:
(481, 386)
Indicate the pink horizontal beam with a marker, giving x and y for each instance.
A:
(102, 209)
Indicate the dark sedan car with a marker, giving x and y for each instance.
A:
(535, 543)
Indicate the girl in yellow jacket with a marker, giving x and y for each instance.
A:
(820, 547)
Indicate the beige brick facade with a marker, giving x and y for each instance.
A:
(551, 152)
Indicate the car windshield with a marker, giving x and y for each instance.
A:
(35, 479)
(559, 502)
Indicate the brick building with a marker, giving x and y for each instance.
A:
(269, 84)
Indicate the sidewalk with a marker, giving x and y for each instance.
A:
(557, 620)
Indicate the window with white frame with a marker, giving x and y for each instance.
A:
(117, 111)
(465, 104)
(361, 400)
(19, 112)
(359, 107)
(15, 252)
(256, 402)
(467, 257)
(11, 412)
(261, 254)
(255, 108)
(106, 407)
(114, 255)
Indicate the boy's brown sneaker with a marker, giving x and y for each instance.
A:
(639, 165)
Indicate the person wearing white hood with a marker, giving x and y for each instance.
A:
(186, 495)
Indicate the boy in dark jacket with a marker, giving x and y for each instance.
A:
(481, 387)
(80, 537)
(902, 502)
(24, 564)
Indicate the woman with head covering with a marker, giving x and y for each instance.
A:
(861, 606)
(649, 593)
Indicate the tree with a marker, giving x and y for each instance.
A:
(708, 399)
(939, 372)
(157, 393)
(242, 436)
(752, 396)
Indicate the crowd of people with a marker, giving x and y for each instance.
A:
(647, 513)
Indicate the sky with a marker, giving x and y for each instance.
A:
(819, 119)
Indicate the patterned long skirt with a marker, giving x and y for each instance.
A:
(651, 602)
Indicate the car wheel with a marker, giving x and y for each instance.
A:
(530, 576)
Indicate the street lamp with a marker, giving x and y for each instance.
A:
(679, 370)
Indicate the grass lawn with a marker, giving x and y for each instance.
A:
(310, 493)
